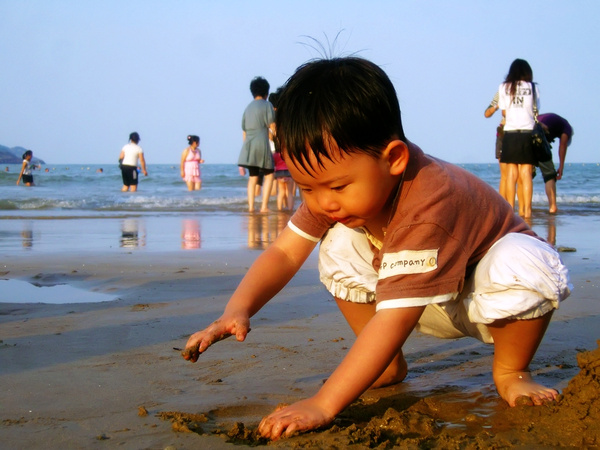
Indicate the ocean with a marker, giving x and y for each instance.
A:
(69, 197)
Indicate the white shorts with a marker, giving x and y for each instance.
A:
(520, 277)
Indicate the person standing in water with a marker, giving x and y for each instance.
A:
(191, 158)
(128, 159)
(255, 155)
(26, 169)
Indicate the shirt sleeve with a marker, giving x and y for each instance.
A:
(308, 225)
(494, 101)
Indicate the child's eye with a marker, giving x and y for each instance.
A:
(338, 188)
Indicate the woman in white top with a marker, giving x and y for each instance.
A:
(128, 161)
(516, 102)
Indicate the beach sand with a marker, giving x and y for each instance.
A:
(107, 374)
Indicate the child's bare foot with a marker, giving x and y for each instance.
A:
(513, 385)
(394, 374)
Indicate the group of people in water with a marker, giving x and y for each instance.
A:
(519, 99)
(132, 154)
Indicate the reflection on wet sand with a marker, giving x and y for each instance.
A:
(27, 236)
(133, 233)
(190, 234)
(547, 222)
(264, 228)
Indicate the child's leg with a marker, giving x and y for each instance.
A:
(515, 343)
(280, 193)
(357, 315)
(516, 286)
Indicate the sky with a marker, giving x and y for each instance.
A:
(76, 77)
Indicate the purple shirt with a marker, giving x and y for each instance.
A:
(556, 125)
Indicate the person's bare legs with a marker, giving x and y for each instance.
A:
(281, 190)
(252, 183)
(515, 343)
(550, 187)
(526, 182)
(512, 175)
(503, 172)
(133, 188)
(266, 194)
(357, 315)
(290, 193)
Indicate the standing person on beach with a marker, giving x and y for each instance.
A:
(489, 112)
(285, 183)
(26, 169)
(191, 158)
(255, 156)
(515, 100)
(407, 241)
(555, 127)
(128, 160)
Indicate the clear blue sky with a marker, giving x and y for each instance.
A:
(76, 77)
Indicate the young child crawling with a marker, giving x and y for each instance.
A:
(407, 241)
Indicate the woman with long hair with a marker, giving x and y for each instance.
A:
(516, 100)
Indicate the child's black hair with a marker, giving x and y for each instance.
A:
(134, 137)
(259, 87)
(27, 153)
(274, 97)
(349, 102)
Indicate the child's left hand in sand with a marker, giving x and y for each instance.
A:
(301, 416)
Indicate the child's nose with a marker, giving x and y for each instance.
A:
(328, 203)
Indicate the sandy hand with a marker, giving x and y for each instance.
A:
(217, 331)
(301, 416)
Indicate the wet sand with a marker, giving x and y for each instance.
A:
(92, 375)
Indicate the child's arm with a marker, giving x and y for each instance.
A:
(21, 174)
(377, 344)
(182, 164)
(265, 278)
(143, 163)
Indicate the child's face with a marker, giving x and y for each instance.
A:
(352, 189)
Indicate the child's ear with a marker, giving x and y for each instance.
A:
(397, 155)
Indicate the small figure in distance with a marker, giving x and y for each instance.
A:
(556, 127)
(255, 155)
(191, 158)
(26, 169)
(285, 183)
(130, 154)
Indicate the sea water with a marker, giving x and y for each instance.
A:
(82, 207)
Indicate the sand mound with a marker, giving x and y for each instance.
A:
(404, 421)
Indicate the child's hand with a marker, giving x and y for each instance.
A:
(301, 416)
(218, 330)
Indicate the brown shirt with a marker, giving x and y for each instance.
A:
(445, 221)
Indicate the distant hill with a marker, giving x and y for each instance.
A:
(15, 155)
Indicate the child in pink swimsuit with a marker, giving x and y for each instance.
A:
(191, 158)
